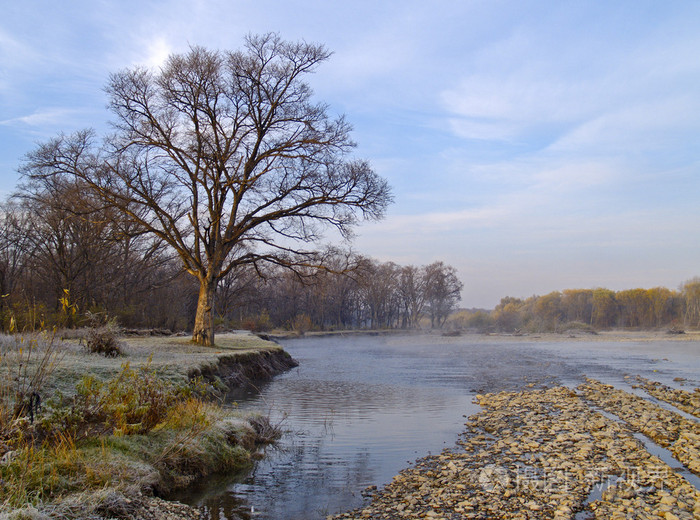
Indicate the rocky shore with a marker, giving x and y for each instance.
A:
(552, 454)
(689, 402)
(665, 427)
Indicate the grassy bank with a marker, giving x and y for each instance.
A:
(111, 431)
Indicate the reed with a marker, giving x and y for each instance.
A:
(26, 364)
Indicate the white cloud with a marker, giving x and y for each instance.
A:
(516, 96)
(47, 117)
(634, 128)
(536, 77)
(488, 130)
(437, 222)
(16, 59)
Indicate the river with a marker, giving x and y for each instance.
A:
(360, 408)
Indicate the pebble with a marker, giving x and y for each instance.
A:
(153, 508)
(689, 402)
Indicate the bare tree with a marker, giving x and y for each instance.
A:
(379, 289)
(224, 156)
(70, 249)
(16, 249)
(413, 294)
(443, 290)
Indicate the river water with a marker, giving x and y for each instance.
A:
(360, 408)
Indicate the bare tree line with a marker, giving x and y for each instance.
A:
(61, 257)
(368, 295)
(59, 261)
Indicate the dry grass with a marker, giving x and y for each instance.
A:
(119, 424)
(173, 358)
(27, 363)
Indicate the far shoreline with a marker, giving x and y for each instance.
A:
(614, 335)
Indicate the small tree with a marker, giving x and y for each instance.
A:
(413, 295)
(224, 157)
(16, 249)
(443, 291)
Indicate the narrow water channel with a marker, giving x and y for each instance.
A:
(358, 409)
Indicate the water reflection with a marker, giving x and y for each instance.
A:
(357, 410)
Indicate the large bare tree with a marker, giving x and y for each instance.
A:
(224, 156)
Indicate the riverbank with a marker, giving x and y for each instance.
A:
(604, 335)
(616, 335)
(113, 432)
(552, 453)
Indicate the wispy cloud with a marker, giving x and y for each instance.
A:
(13, 52)
(651, 124)
(48, 117)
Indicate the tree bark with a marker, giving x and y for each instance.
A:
(203, 333)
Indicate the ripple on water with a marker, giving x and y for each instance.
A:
(359, 409)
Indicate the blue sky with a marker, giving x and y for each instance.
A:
(535, 146)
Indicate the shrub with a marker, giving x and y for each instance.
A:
(135, 401)
(101, 338)
(103, 341)
(261, 323)
(302, 323)
(266, 431)
(577, 326)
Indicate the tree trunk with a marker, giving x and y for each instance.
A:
(204, 319)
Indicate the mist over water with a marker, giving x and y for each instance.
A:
(358, 409)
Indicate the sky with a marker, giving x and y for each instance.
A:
(533, 145)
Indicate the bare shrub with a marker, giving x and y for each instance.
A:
(101, 336)
(577, 326)
(302, 323)
(260, 323)
(265, 430)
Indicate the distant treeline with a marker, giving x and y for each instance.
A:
(594, 309)
(358, 293)
(62, 260)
